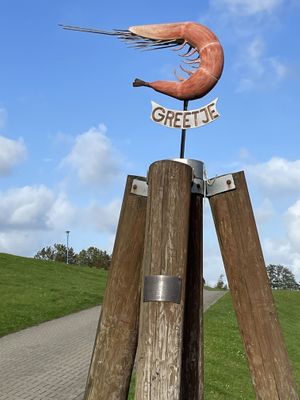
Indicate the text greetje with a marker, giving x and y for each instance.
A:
(184, 119)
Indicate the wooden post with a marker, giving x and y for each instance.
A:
(251, 294)
(116, 339)
(166, 242)
(192, 387)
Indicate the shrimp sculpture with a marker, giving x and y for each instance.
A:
(208, 64)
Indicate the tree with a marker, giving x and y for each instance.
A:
(82, 258)
(221, 284)
(281, 277)
(46, 253)
(93, 257)
(58, 252)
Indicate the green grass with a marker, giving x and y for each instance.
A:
(213, 289)
(132, 388)
(288, 307)
(33, 291)
(226, 371)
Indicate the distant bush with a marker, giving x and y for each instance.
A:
(221, 285)
(92, 257)
(281, 277)
(58, 252)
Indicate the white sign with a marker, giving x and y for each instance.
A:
(184, 119)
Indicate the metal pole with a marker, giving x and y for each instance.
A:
(183, 132)
(67, 232)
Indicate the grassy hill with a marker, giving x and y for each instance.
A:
(33, 291)
(226, 370)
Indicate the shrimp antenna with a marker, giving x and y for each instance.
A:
(131, 39)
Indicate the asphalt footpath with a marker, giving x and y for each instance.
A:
(51, 361)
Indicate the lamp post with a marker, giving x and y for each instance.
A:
(68, 233)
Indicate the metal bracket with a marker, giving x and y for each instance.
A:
(206, 188)
(139, 188)
(198, 186)
(218, 185)
(162, 288)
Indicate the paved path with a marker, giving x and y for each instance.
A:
(48, 361)
(51, 361)
(210, 297)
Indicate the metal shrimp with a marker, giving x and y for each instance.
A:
(208, 64)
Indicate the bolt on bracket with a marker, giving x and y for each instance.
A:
(218, 185)
(198, 186)
(140, 188)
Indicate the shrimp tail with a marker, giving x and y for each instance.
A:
(139, 82)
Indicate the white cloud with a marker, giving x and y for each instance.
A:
(279, 179)
(62, 213)
(104, 218)
(3, 116)
(292, 219)
(281, 251)
(277, 251)
(244, 154)
(93, 157)
(256, 69)
(280, 70)
(18, 242)
(247, 7)
(32, 217)
(276, 175)
(264, 212)
(25, 208)
(35, 208)
(12, 152)
(63, 139)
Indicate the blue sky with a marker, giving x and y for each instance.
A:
(72, 127)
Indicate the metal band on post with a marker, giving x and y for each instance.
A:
(162, 288)
(198, 166)
(198, 186)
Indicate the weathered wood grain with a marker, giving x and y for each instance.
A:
(192, 386)
(166, 244)
(251, 294)
(116, 339)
